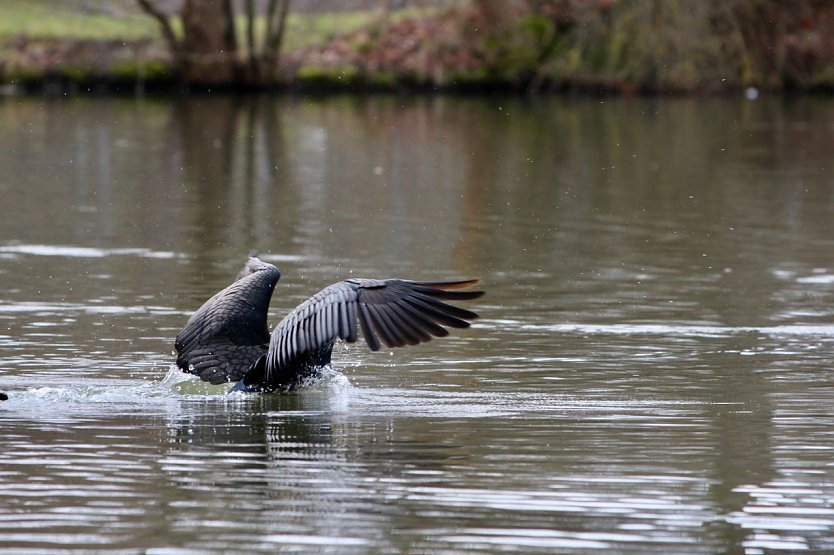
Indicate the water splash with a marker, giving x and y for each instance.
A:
(328, 379)
(175, 385)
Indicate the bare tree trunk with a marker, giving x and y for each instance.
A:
(250, 41)
(275, 38)
(208, 52)
(208, 47)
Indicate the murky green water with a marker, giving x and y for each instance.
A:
(652, 372)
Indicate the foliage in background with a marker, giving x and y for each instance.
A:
(612, 45)
(709, 45)
(651, 44)
(526, 45)
(685, 45)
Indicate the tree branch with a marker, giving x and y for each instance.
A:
(164, 23)
(273, 45)
(250, 38)
(230, 35)
(270, 14)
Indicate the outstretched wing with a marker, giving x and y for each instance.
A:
(395, 312)
(229, 332)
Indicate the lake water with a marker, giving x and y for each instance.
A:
(652, 371)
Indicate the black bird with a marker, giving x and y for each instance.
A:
(227, 339)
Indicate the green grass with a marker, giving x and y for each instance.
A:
(305, 30)
(64, 19)
(317, 28)
(48, 21)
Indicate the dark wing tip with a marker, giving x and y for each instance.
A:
(450, 295)
(448, 289)
(399, 312)
(448, 285)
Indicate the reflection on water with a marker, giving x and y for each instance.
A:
(650, 375)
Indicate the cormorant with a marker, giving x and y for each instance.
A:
(227, 339)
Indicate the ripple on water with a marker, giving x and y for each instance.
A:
(84, 252)
(685, 330)
(780, 515)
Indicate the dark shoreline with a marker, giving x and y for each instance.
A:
(58, 84)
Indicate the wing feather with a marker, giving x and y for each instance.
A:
(353, 330)
(367, 330)
(392, 312)
(405, 328)
(446, 308)
(435, 313)
(422, 320)
(330, 324)
(387, 329)
(319, 318)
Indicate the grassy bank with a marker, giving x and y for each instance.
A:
(44, 42)
(123, 20)
(45, 19)
(613, 45)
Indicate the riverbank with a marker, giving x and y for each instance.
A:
(599, 47)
